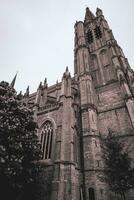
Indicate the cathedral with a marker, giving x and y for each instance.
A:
(74, 113)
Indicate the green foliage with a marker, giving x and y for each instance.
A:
(118, 172)
(19, 145)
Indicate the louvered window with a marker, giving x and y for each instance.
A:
(89, 37)
(98, 33)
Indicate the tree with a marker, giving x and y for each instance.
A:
(118, 172)
(19, 145)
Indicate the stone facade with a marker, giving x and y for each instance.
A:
(72, 114)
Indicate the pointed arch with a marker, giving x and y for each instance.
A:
(91, 193)
(98, 33)
(89, 36)
(47, 138)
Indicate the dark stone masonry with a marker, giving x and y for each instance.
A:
(72, 114)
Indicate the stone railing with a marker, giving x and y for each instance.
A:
(48, 107)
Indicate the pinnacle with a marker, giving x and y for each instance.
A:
(45, 83)
(13, 81)
(57, 82)
(27, 92)
(99, 12)
(67, 69)
(66, 74)
(89, 15)
(27, 88)
(40, 85)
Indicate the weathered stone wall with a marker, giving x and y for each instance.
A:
(83, 108)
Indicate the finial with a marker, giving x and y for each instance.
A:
(12, 84)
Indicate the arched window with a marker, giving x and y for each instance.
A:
(46, 139)
(89, 36)
(98, 33)
(91, 194)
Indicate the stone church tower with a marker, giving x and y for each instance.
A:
(72, 114)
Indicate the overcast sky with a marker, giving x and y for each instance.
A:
(37, 36)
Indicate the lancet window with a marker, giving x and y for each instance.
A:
(98, 33)
(91, 194)
(46, 140)
(89, 37)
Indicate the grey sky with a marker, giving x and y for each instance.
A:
(37, 36)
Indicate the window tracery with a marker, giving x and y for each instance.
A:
(46, 140)
(98, 33)
(89, 37)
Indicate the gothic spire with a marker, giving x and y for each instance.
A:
(89, 16)
(27, 92)
(13, 81)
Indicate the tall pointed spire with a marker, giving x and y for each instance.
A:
(13, 81)
(89, 16)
